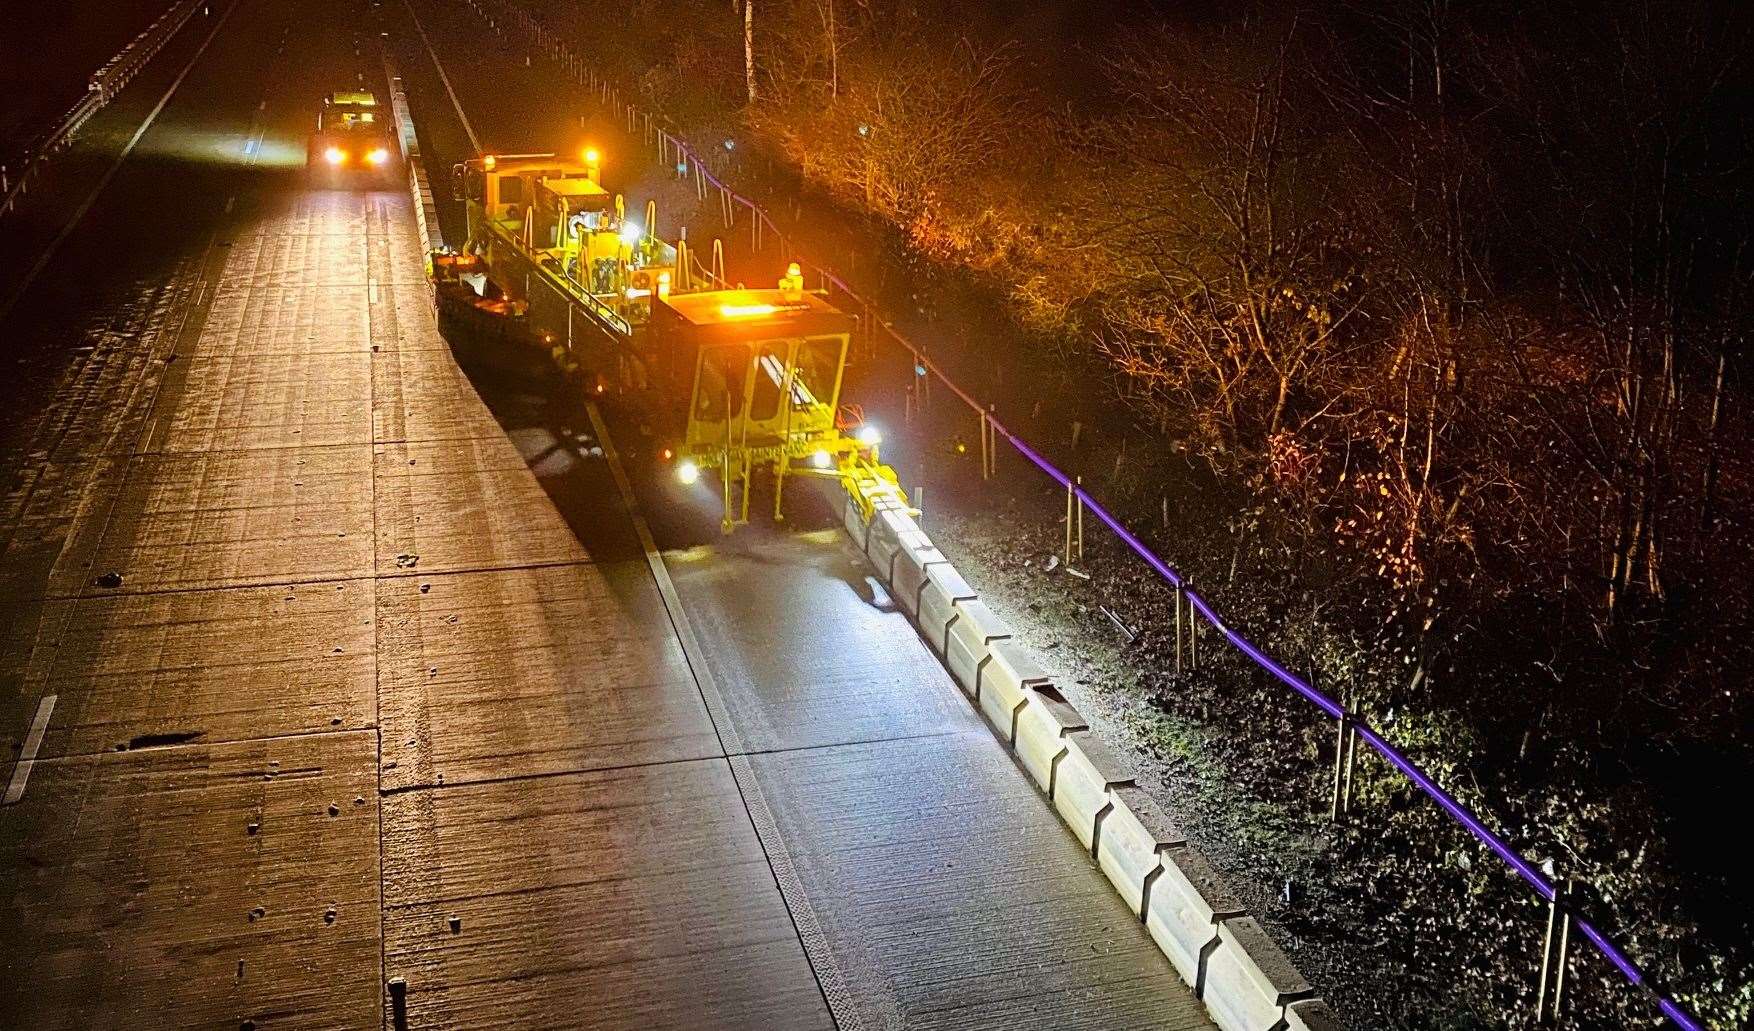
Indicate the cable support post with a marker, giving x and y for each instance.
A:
(1555, 951)
(1345, 758)
(1178, 627)
(1193, 627)
(1066, 552)
(1077, 493)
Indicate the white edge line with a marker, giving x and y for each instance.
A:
(42, 262)
(832, 982)
(474, 141)
(28, 758)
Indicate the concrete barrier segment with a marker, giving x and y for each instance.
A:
(940, 592)
(1039, 736)
(1249, 981)
(1187, 903)
(1082, 782)
(1000, 684)
(906, 542)
(910, 576)
(968, 643)
(884, 541)
(1134, 838)
(1312, 1015)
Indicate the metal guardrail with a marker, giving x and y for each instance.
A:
(103, 87)
(1564, 911)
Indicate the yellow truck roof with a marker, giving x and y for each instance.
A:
(575, 187)
(750, 313)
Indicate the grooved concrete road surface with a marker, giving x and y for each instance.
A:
(387, 688)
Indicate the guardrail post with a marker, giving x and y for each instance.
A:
(1178, 629)
(1066, 554)
(1345, 756)
(989, 445)
(1554, 952)
(1193, 628)
(1079, 495)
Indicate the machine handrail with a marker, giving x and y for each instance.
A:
(589, 301)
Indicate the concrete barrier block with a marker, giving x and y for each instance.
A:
(1249, 982)
(1187, 902)
(884, 541)
(952, 583)
(968, 642)
(1081, 784)
(1134, 837)
(909, 540)
(1042, 725)
(938, 597)
(1312, 1015)
(1013, 667)
(1000, 683)
(853, 516)
(911, 566)
(1000, 696)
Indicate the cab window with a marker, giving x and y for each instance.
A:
(722, 371)
(818, 372)
(770, 379)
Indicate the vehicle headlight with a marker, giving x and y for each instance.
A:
(334, 155)
(687, 472)
(821, 459)
(869, 435)
(378, 156)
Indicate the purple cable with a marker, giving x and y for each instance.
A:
(1401, 762)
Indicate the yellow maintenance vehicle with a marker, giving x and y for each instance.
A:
(733, 381)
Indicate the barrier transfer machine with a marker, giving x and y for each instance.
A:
(734, 381)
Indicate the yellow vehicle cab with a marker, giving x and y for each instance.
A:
(352, 142)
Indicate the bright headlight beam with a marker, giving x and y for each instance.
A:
(687, 473)
(334, 155)
(869, 435)
(378, 156)
(821, 460)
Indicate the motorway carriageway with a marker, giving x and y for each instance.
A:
(388, 695)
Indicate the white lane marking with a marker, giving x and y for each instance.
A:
(250, 146)
(372, 291)
(229, 201)
(829, 977)
(474, 141)
(28, 758)
(151, 116)
(263, 106)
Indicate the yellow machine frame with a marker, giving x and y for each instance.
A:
(758, 370)
(762, 372)
(547, 216)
